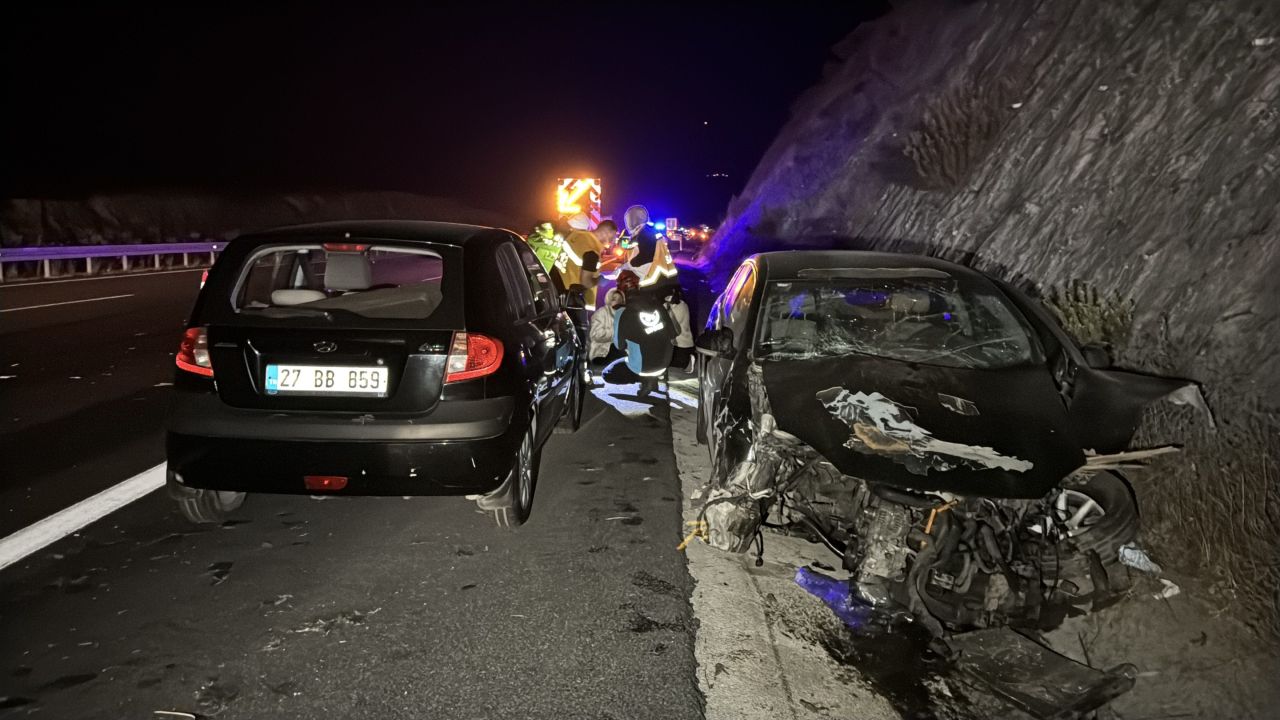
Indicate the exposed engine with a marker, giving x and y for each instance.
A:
(952, 562)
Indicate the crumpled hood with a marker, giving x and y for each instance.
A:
(997, 433)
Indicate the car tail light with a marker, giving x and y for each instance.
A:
(324, 482)
(193, 352)
(345, 247)
(204, 277)
(472, 356)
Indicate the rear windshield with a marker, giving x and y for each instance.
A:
(366, 280)
(918, 315)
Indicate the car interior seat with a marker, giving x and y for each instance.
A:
(347, 272)
(909, 302)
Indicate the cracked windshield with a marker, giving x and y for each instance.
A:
(922, 317)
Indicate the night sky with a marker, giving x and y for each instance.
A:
(480, 102)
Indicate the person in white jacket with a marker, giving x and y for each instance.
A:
(683, 356)
(600, 331)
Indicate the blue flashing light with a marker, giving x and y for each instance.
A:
(659, 226)
(946, 316)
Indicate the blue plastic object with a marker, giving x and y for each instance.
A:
(835, 594)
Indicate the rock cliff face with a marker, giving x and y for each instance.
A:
(1120, 152)
(1132, 146)
(176, 217)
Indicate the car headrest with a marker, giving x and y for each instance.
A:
(347, 271)
(284, 298)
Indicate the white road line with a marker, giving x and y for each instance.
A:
(68, 302)
(14, 285)
(61, 524)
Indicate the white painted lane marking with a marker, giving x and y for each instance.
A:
(14, 285)
(34, 538)
(66, 302)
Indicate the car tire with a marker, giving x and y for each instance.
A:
(1118, 526)
(522, 481)
(210, 506)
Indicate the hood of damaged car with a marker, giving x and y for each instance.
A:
(997, 433)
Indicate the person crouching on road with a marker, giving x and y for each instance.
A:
(601, 332)
(682, 355)
(643, 330)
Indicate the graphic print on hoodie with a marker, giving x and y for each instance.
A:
(644, 330)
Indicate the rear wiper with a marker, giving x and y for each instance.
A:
(278, 312)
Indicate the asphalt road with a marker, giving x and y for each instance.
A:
(82, 365)
(387, 608)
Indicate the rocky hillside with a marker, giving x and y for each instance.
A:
(1122, 157)
(169, 217)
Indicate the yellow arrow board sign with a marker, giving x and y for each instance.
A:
(579, 195)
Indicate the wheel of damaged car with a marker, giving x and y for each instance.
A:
(522, 481)
(210, 506)
(1099, 516)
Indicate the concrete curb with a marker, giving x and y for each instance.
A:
(757, 643)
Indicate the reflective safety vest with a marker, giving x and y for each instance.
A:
(661, 268)
(578, 252)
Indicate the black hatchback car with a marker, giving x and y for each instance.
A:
(372, 358)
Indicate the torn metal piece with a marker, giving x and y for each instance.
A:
(882, 426)
(958, 405)
(1191, 395)
(1127, 459)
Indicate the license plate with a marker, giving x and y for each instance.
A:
(326, 380)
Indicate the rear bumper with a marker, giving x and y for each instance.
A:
(205, 415)
(462, 447)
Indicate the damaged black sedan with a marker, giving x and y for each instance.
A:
(932, 426)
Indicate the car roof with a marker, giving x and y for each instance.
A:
(789, 263)
(437, 232)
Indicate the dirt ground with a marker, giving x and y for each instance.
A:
(1192, 660)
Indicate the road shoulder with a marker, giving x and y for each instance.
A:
(755, 658)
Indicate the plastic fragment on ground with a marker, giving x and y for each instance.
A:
(1169, 590)
(1137, 558)
(835, 594)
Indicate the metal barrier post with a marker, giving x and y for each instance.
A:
(124, 263)
(45, 264)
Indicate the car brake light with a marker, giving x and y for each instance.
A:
(324, 482)
(345, 247)
(472, 356)
(193, 352)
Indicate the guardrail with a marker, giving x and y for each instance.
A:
(45, 253)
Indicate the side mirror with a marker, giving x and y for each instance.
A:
(1096, 356)
(716, 342)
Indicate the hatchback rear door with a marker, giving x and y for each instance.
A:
(319, 326)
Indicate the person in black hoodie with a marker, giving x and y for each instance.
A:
(644, 330)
